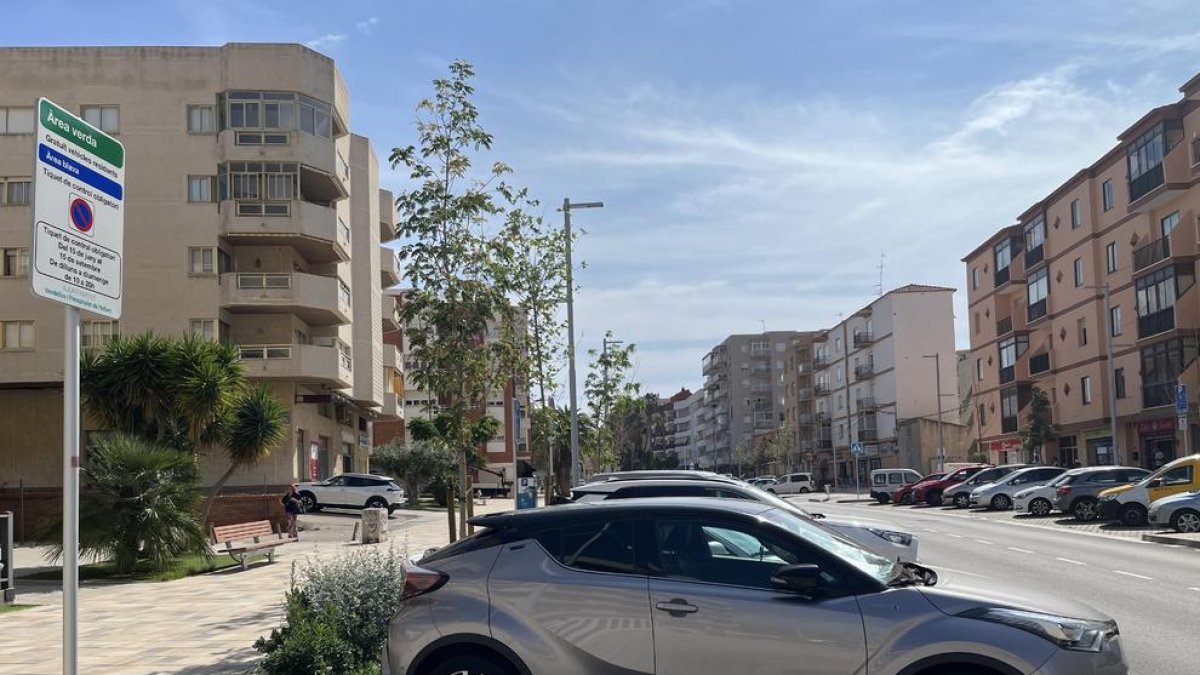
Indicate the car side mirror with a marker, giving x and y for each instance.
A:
(1157, 482)
(797, 578)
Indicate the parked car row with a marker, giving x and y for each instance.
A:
(1132, 496)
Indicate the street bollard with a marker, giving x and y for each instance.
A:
(374, 526)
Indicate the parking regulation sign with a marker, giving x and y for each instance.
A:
(78, 213)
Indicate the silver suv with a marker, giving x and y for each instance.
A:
(677, 586)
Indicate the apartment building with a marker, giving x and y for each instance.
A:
(799, 416)
(879, 366)
(744, 391)
(1039, 316)
(664, 421)
(253, 217)
(688, 421)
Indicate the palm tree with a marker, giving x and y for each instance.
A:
(256, 425)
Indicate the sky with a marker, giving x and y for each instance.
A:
(757, 159)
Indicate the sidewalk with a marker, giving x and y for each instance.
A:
(203, 625)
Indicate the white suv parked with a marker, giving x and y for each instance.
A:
(792, 484)
(352, 491)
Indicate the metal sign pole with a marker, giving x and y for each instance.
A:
(70, 575)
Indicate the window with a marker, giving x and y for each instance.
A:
(1039, 363)
(1156, 295)
(97, 334)
(1106, 191)
(343, 293)
(1076, 214)
(837, 345)
(106, 118)
(1003, 255)
(261, 188)
(1011, 349)
(200, 260)
(16, 121)
(15, 191)
(1085, 388)
(277, 110)
(598, 546)
(1177, 476)
(1114, 321)
(204, 328)
(1144, 157)
(200, 188)
(16, 335)
(1081, 330)
(733, 554)
(839, 374)
(1168, 223)
(201, 119)
(978, 324)
(1110, 257)
(979, 370)
(344, 355)
(1078, 272)
(974, 278)
(1009, 407)
(1038, 288)
(1035, 235)
(1161, 365)
(14, 262)
(1119, 382)
(982, 415)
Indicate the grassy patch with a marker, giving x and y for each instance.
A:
(13, 608)
(184, 566)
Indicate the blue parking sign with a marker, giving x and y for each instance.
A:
(1181, 399)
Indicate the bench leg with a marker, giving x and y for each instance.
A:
(271, 556)
(245, 558)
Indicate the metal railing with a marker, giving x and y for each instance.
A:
(1035, 255)
(1004, 326)
(863, 338)
(863, 371)
(865, 403)
(1159, 322)
(264, 281)
(265, 351)
(1145, 256)
(868, 434)
(1142, 185)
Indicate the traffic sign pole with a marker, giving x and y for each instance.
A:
(70, 579)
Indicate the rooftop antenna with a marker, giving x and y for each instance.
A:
(764, 325)
(879, 287)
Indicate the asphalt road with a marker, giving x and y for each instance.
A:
(1152, 590)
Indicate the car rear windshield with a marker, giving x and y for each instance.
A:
(485, 538)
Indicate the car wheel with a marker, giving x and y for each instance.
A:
(772, 491)
(1086, 510)
(1132, 515)
(882, 499)
(908, 499)
(962, 500)
(377, 503)
(309, 501)
(469, 665)
(804, 491)
(1001, 502)
(1040, 507)
(934, 499)
(1186, 520)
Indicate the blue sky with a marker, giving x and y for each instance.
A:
(756, 157)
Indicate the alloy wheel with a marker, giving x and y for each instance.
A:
(962, 500)
(1001, 502)
(1040, 507)
(1086, 510)
(1187, 521)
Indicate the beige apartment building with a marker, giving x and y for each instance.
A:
(799, 418)
(253, 217)
(1038, 317)
(877, 368)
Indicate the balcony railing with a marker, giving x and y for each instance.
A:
(1035, 255)
(868, 434)
(1037, 310)
(821, 390)
(805, 394)
(1155, 395)
(1008, 374)
(1145, 256)
(1142, 185)
(265, 351)
(1002, 276)
(806, 418)
(825, 435)
(820, 362)
(864, 371)
(1004, 326)
(825, 443)
(264, 281)
(867, 403)
(1159, 322)
(863, 338)
(1009, 425)
(822, 418)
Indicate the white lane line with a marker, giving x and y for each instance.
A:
(1193, 588)
(1068, 560)
(1131, 574)
(956, 536)
(970, 574)
(985, 542)
(1019, 550)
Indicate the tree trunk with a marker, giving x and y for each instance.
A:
(464, 490)
(414, 492)
(216, 489)
(450, 512)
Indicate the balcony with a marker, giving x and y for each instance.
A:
(312, 229)
(825, 435)
(867, 435)
(389, 267)
(390, 311)
(1035, 255)
(312, 364)
(316, 300)
(1009, 425)
(391, 405)
(391, 357)
(1002, 276)
(1004, 326)
(317, 155)
(820, 362)
(1037, 310)
(1165, 180)
(806, 418)
(865, 403)
(804, 367)
(863, 339)
(805, 394)
(823, 418)
(1156, 395)
(821, 390)
(1156, 251)
(864, 371)
(714, 361)
(1158, 322)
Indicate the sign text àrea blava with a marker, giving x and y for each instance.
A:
(67, 127)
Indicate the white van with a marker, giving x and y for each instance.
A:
(792, 484)
(886, 481)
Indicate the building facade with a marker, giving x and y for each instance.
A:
(1039, 317)
(876, 368)
(800, 420)
(744, 390)
(253, 217)
(687, 429)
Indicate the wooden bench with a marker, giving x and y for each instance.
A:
(242, 540)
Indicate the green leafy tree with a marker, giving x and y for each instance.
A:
(140, 504)
(551, 432)
(185, 393)
(607, 382)
(417, 464)
(460, 239)
(1038, 428)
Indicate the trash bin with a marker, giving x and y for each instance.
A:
(374, 526)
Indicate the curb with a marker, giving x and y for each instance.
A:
(1171, 539)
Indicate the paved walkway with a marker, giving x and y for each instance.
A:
(203, 625)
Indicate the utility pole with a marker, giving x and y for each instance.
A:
(1112, 377)
(566, 211)
(937, 373)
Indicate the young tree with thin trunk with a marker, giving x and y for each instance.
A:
(607, 381)
(1039, 427)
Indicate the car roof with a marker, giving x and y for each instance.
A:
(363, 475)
(614, 485)
(549, 516)
(1104, 467)
(661, 473)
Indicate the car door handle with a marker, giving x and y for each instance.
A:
(676, 606)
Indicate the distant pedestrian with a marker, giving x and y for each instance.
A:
(292, 506)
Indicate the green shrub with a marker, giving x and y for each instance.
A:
(337, 616)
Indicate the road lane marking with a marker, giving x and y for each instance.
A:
(1131, 574)
(1068, 560)
(1019, 550)
(956, 536)
(984, 542)
(970, 574)
(1193, 588)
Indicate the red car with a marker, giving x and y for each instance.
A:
(905, 494)
(930, 492)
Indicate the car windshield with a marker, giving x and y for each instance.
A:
(877, 567)
(1061, 480)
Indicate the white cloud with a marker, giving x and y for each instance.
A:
(367, 26)
(327, 41)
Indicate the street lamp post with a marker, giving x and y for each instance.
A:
(566, 211)
(937, 373)
(1112, 373)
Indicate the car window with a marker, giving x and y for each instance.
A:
(337, 481)
(1103, 477)
(896, 478)
(634, 492)
(723, 553)
(1043, 474)
(1062, 479)
(1132, 475)
(358, 481)
(587, 497)
(824, 539)
(1181, 475)
(597, 546)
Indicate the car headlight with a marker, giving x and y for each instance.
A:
(1082, 635)
(901, 538)
(1107, 498)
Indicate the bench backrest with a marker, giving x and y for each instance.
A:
(238, 531)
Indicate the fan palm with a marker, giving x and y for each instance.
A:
(256, 424)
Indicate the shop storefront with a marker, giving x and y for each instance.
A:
(1156, 443)
(1004, 451)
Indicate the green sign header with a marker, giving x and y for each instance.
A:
(81, 133)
